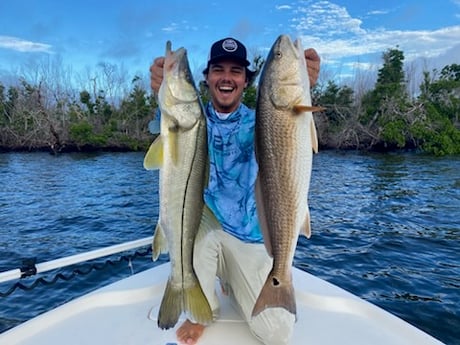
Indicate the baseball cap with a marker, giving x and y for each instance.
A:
(228, 48)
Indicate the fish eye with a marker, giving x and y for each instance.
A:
(278, 54)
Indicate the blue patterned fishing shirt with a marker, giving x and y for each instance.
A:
(233, 171)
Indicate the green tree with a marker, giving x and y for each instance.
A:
(385, 106)
(250, 94)
(136, 109)
(389, 85)
(338, 101)
(390, 79)
(3, 116)
(438, 129)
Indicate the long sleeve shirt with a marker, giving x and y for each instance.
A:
(233, 171)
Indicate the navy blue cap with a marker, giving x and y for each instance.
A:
(228, 48)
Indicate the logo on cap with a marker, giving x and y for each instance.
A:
(229, 45)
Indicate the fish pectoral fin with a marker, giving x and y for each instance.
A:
(160, 243)
(300, 108)
(306, 227)
(154, 156)
(313, 136)
(263, 217)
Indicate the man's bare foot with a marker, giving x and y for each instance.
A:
(189, 332)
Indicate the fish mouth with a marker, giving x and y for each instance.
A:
(285, 43)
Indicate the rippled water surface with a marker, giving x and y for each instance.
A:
(385, 227)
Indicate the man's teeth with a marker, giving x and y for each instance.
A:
(226, 88)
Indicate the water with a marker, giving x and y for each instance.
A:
(385, 227)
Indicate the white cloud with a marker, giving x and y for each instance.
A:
(171, 28)
(332, 31)
(283, 7)
(377, 12)
(180, 27)
(18, 44)
(326, 19)
(360, 65)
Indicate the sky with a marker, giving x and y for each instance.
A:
(349, 35)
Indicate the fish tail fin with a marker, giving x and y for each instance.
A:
(170, 309)
(160, 243)
(197, 305)
(276, 294)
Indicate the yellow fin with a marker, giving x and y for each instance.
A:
(196, 304)
(300, 108)
(176, 300)
(160, 243)
(171, 306)
(154, 156)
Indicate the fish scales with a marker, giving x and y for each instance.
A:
(180, 152)
(285, 141)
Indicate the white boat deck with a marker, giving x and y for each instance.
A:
(125, 313)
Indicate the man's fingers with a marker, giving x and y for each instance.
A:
(313, 65)
(156, 73)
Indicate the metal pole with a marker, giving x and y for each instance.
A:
(74, 259)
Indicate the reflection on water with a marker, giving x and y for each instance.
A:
(385, 227)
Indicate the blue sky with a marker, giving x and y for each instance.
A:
(350, 35)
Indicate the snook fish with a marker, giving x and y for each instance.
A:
(180, 152)
(285, 137)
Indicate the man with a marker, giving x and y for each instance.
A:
(234, 251)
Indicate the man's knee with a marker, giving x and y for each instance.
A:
(273, 326)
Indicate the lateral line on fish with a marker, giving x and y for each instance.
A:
(187, 184)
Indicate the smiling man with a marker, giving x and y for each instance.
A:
(234, 250)
(227, 74)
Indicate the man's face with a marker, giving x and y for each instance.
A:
(226, 81)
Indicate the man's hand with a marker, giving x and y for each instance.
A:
(156, 73)
(313, 63)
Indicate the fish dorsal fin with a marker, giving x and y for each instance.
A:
(313, 136)
(306, 227)
(263, 217)
(154, 156)
(301, 108)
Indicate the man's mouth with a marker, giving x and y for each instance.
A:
(226, 89)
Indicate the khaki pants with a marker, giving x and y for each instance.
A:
(242, 269)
